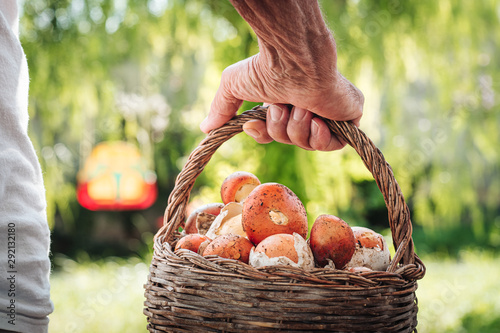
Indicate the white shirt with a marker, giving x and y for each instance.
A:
(24, 234)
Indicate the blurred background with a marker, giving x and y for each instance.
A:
(143, 74)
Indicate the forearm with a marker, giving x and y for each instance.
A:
(290, 32)
(24, 234)
(297, 65)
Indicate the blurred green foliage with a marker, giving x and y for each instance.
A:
(146, 71)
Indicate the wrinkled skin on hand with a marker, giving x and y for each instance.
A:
(296, 66)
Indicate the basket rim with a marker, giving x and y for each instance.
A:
(165, 256)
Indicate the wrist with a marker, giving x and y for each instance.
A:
(283, 23)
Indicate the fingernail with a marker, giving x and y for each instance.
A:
(252, 132)
(314, 127)
(275, 112)
(298, 113)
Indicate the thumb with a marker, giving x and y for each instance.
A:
(225, 105)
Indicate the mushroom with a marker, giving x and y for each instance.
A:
(191, 242)
(204, 221)
(191, 225)
(203, 246)
(237, 186)
(359, 269)
(371, 250)
(283, 249)
(270, 209)
(228, 221)
(332, 239)
(230, 246)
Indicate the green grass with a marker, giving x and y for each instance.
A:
(456, 295)
(460, 295)
(98, 297)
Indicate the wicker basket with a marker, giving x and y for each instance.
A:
(186, 292)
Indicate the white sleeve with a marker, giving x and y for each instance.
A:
(24, 234)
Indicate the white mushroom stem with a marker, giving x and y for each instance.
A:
(243, 192)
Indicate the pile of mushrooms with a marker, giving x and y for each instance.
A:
(265, 224)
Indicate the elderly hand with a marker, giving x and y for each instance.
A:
(296, 65)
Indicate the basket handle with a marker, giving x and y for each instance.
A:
(398, 211)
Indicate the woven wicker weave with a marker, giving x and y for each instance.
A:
(186, 292)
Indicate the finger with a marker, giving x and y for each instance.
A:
(299, 126)
(344, 102)
(351, 102)
(321, 137)
(225, 105)
(257, 130)
(276, 122)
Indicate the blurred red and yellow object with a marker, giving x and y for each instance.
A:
(115, 177)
